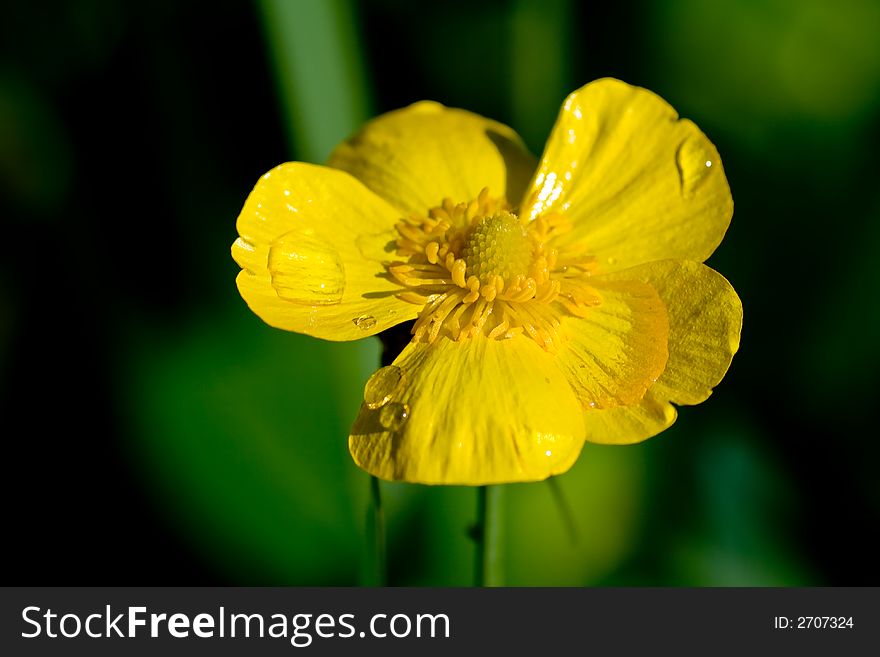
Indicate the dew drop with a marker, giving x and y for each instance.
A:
(305, 269)
(383, 386)
(394, 415)
(694, 162)
(364, 322)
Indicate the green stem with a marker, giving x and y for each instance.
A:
(318, 64)
(376, 531)
(564, 510)
(541, 35)
(489, 564)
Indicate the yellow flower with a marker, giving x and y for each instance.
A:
(553, 303)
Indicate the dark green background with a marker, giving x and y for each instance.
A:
(156, 432)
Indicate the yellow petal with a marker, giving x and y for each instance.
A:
(311, 246)
(638, 183)
(705, 320)
(475, 412)
(625, 425)
(417, 156)
(616, 352)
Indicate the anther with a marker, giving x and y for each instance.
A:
(458, 270)
(431, 252)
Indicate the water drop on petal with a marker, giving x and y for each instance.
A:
(305, 269)
(694, 162)
(394, 415)
(383, 386)
(365, 322)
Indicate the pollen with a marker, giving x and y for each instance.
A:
(478, 268)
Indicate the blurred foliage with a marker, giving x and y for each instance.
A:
(130, 136)
(767, 71)
(34, 150)
(322, 82)
(238, 428)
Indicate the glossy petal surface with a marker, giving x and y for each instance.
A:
(311, 247)
(639, 183)
(705, 321)
(417, 156)
(625, 425)
(475, 412)
(614, 354)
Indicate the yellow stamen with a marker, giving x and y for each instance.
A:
(431, 252)
(477, 268)
(412, 297)
(458, 270)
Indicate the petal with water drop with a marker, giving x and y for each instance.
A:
(312, 245)
(474, 412)
(638, 183)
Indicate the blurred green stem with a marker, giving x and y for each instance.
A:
(376, 529)
(488, 536)
(319, 70)
(564, 510)
(540, 32)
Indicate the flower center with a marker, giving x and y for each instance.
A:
(497, 246)
(479, 269)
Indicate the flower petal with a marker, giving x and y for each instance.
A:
(616, 352)
(625, 425)
(311, 246)
(705, 321)
(475, 412)
(638, 183)
(417, 156)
